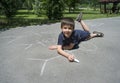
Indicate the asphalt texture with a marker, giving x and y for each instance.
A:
(25, 57)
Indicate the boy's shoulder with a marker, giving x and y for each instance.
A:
(61, 35)
(77, 31)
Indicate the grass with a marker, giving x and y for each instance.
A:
(90, 14)
(28, 18)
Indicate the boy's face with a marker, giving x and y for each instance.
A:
(67, 30)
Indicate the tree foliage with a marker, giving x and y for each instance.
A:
(54, 8)
(71, 4)
(28, 4)
(9, 7)
(37, 7)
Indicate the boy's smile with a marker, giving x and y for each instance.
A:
(67, 30)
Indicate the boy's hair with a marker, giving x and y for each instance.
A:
(67, 21)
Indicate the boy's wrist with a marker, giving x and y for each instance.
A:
(68, 56)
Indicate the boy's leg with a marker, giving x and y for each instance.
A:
(92, 35)
(84, 26)
(95, 34)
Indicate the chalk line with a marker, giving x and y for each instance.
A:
(11, 41)
(97, 25)
(41, 43)
(44, 64)
(53, 58)
(14, 40)
(35, 59)
(30, 45)
(43, 67)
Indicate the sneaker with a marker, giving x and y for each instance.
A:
(99, 34)
(79, 17)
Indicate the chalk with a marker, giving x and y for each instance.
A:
(76, 60)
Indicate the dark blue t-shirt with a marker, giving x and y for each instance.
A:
(76, 37)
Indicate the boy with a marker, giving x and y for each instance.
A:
(70, 38)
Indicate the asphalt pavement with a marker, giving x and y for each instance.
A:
(25, 57)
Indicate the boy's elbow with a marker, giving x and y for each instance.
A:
(59, 50)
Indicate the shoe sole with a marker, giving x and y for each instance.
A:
(99, 34)
(79, 17)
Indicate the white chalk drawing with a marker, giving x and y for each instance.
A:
(44, 42)
(30, 45)
(16, 38)
(44, 64)
(43, 67)
(97, 25)
(38, 41)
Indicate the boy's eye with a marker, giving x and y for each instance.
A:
(65, 27)
(70, 28)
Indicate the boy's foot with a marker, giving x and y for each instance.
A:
(79, 18)
(98, 34)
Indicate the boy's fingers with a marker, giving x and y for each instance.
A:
(71, 58)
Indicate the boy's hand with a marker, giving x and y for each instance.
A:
(71, 58)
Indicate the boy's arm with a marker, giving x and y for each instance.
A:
(65, 54)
